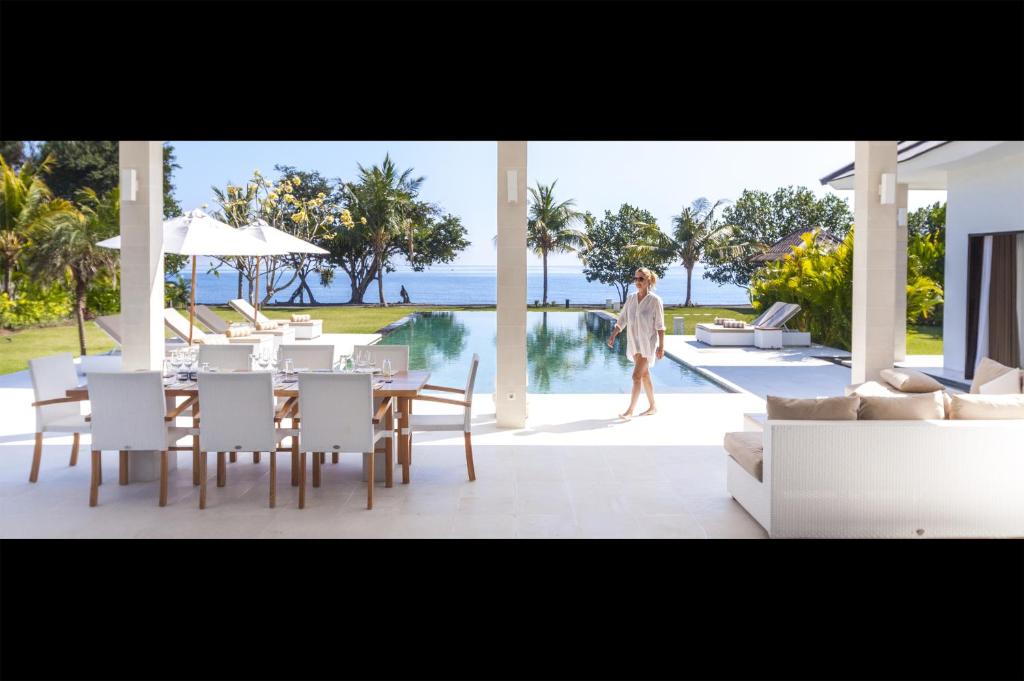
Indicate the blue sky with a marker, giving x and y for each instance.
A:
(661, 177)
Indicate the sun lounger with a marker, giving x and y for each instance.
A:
(767, 330)
(178, 324)
(303, 330)
(111, 325)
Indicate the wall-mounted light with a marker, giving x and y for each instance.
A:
(901, 217)
(512, 185)
(887, 189)
(129, 184)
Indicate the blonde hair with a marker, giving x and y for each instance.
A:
(651, 277)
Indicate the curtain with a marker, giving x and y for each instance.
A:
(975, 251)
(1003, 339)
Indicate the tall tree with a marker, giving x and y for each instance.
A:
(65, 244)
(928, 220)
(695, 233)
(758, 219)
(550, 228)
(610, 258)
(385, 197)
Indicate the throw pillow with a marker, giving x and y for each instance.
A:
(987, 370)
(906, 407)
(910, 381)
(987, 407)
(1007, 384)
(819, 409)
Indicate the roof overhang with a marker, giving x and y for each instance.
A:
(925, 165)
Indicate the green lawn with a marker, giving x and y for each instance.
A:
(18, 347)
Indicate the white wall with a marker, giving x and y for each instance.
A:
(981, 197)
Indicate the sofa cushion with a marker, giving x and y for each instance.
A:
(987, 407)
(1006, 384)
(987, 370)
(910, 381)
(871, 388)
(815, 409)
(905, 407)
(746, 449)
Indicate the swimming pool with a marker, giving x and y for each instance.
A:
(566, 353)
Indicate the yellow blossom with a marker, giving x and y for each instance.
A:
(297, 217)
(296, 180)
(362, 220)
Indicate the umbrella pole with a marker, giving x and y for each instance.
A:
(256, 301)
(192, 307)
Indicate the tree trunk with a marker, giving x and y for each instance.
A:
(545, 278)
(239, 283)
(80, 293)
(689, 277)
(7, 281)
(380, 285)
(305, 285)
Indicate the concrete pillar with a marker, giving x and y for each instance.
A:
(874, 262)
(142, 277)
(900, 303)
(511, 373)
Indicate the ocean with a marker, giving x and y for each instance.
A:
(476, 285)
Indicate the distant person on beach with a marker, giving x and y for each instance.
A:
(404, 294)
(643, 317)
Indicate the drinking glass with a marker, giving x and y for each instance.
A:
(385, 368)
(289, 367)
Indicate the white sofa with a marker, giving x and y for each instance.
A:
(885, 479)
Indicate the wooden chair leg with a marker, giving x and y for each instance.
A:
(37, 457)
(255, 457)
(334, 457)
(234, 457)
(302, 480)
(369, 482)
(74, 449)
(295, 467)
(316, 468)
(99, 474)
(323, 457)
(94, 487)
(202, 480)
(163, 478)
(273, 477)
(222, 471)
(389, 463)
(469, 456)
(195, 462)
(122, 467)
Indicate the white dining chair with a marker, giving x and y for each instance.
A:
(450, 422)
(129, 413)
(399, 356)
(226, 357)
(338, 416)
(55, 413)
(307, 356)
(236, 413)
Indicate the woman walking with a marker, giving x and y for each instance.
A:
(643, 317)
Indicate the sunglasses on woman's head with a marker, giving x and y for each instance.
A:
(638, 279)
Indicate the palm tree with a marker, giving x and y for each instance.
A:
(550, 228)
(386, 199)
(65, 243)
(25, 201)
(695, 232)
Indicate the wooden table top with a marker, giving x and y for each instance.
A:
(402, 384)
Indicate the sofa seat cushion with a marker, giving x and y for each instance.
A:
(987, 370)
(987, 407)
(904, 407)
(814, 409)
(746, 449)
(910, 381)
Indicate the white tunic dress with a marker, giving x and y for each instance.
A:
(642, 322)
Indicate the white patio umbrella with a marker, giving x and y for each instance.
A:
(196, 233)
(282, 243)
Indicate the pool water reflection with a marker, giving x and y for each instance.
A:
(566, 353)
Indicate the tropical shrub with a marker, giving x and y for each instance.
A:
(35, 305)
(926, 257)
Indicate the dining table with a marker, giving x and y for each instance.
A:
(402, 386)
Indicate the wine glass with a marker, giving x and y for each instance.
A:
(263, 359)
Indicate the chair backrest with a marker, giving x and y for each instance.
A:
(244, 308)
(398, 354)
(236, 412)
(336, 411)
(470, 382)
(213, 321)
(307, 356)
(51, 377)
(178, 325)
(128, 409)
(110, 325)
(759, 318)
(226, 357)
(781, 316)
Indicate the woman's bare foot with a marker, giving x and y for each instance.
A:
(651, 411)
(626, 415)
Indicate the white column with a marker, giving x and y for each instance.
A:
(511, 374)
(874, 262)
(142, 276)
(900, 303)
